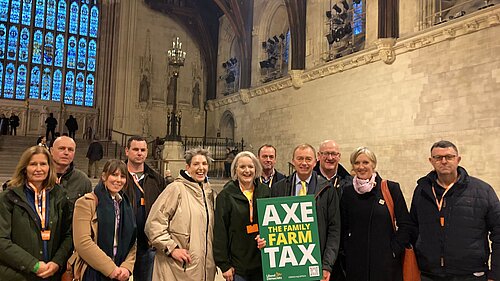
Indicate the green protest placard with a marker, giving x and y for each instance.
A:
(290, 228)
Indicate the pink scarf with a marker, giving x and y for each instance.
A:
(363, 186)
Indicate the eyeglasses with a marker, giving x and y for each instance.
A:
(328, 153)
(439, 158)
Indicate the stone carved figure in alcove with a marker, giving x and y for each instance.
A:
(144, 89)
(195, 101)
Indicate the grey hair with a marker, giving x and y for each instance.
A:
(364, 150)
(189, 154)
(256, 163)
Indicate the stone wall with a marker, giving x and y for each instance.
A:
(443, 84)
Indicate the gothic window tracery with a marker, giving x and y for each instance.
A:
(42, 44)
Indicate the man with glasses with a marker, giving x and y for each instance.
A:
(267, 158)
(328, 165)
(455, 213)
(305, 181)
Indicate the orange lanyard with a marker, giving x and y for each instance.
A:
(440, 203)
(136, 181)
(41, 211)
(250, 202)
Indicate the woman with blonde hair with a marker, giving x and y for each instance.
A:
(104, 229)
(35, 221)
(373, 248)
(236, 225)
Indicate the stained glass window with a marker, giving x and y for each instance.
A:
(73, 18)
(59, 57)
(92, 55)
(3, 37)
(15, 10)
(26, 12)
(358, 18)
(24, 44)
(84, 20)
(36, 57)
(12, 44)
(57, 85)
(35, 83)
(61, 16)
(48, 49)
(94, 21)
(46, 84)
(69, 89)
(80, 87)
(39, 13)
(89, 91)
(50, 19)
(10, 77)
(21, 82)
(82, 54)
(71, 57)
(4, 10)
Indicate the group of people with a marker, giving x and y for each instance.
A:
(135, 223)
(8, 125)
(51, 125)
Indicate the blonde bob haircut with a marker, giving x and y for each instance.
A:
(366, 151)
(255, 161)
(20, 176)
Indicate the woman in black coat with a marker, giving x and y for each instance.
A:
(373, 249)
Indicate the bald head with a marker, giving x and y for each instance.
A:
(63, 152)
(329, 157)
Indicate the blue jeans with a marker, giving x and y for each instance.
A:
(144, 261)
(253, 277)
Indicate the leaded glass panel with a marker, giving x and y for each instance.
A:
(46, 84)
(94, 21)
(84, 20)
(82, 54)
(36, 57)
(92, 55)
(1, 79)
(57, 85)
(21, 82)
(48, 49)
(24, 45)
(12, 44)
(4, 10)
(61, 16)
(39, 13)
(35, 83)
(89, 91)
(73, 18)
(10, 78)
(69, 89)
(71, 56)
(15, 10)
(80, 87)
(26, 12)
(3, 40)
(50, 19)
(59, 57)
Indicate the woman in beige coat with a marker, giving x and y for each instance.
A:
(180, 224)
(104, 231)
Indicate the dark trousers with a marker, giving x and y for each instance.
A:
(427, 277)
(52, 131)
(71, 134)
(13, 131)
(254, 277)
(144, 261)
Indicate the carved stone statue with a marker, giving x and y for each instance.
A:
(144, 89)
(196, 95)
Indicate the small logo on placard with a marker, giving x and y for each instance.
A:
(314, 271)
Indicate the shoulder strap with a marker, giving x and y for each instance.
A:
(388, 200)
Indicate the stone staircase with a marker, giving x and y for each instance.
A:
(11, 148)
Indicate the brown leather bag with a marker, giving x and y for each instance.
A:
(410, 265)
